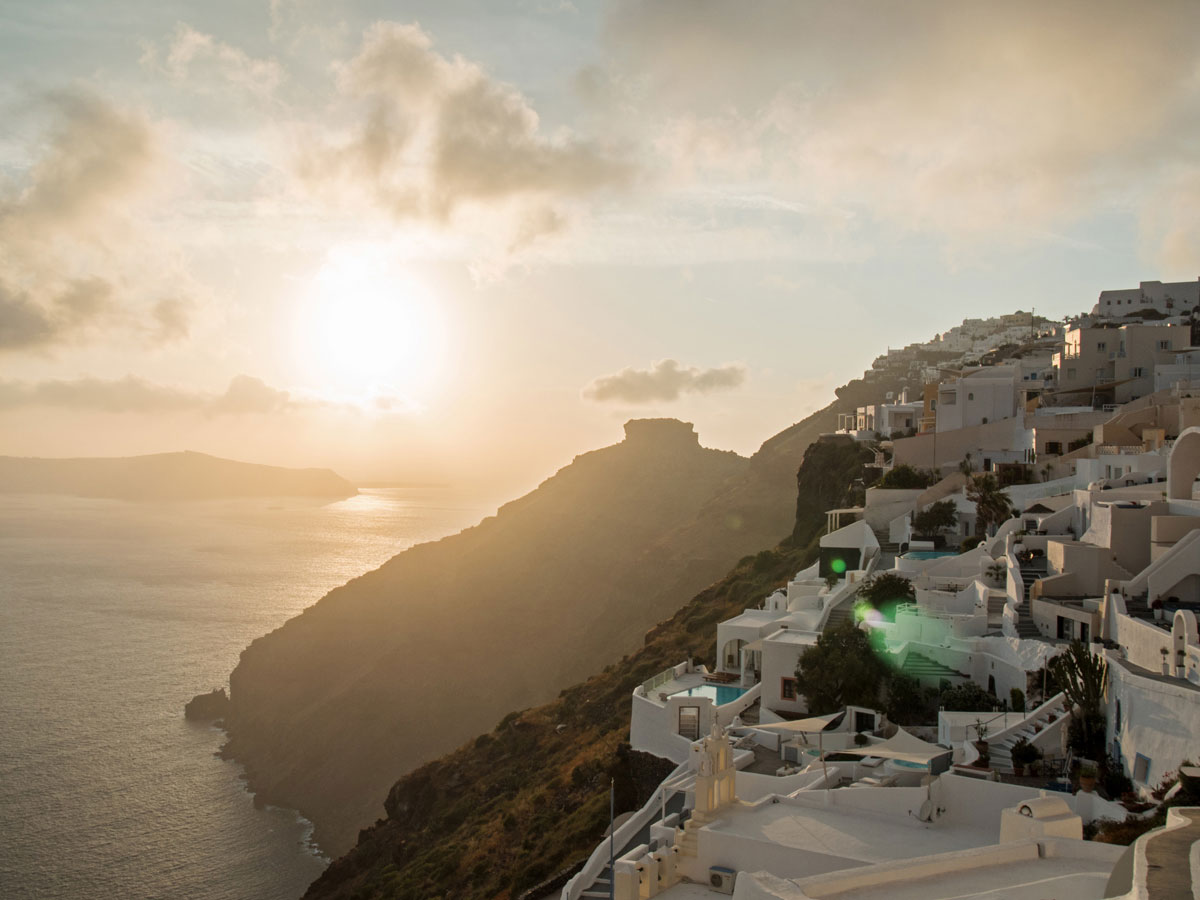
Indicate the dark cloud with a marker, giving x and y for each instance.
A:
(244, 396)
(664, 382)
(28, 325)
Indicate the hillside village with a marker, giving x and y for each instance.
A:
(995, 655)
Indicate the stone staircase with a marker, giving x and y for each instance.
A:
(1000, 751)
(839, 614)
(930, 671)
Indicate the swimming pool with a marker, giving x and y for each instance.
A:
(928, 554)
(720, 694)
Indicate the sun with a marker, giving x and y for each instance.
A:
(369, 330)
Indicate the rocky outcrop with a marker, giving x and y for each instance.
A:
(208, 707)
(166, 476)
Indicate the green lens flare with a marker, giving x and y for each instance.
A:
(838, 566)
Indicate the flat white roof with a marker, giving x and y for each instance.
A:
(1065, 873)
(755, 618)
(794, 636)
(865, 836)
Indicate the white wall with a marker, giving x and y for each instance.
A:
(1159, 719)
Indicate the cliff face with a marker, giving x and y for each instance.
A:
(166, 476)
(408, 661)
(506, 811)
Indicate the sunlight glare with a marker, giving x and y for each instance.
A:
(370, 331)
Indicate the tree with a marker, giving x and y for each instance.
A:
(991, 503)
(967, 697)
(840, 669)
(887, 591)
(1082, 675)
(907, 703)
(935, 517)
(906, 477)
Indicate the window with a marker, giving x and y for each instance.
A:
(1164, 345)
(787, 688)
(1137, 372)
(1101, 345)
(1054, 448)
(1141, 768)
(970, 396)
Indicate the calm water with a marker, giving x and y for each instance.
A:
(112, 615)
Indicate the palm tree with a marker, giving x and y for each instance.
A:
(991, 503)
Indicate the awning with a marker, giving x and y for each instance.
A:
(810, 725)
(902, 746)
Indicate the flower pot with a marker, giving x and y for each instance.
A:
(1158, 615)
(1087, 784)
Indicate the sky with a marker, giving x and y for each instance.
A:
(461, 242)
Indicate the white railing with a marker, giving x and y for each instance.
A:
(599, 859)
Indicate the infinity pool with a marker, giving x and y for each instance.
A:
(928, 554)
(720, 694)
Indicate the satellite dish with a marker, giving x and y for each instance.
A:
(926, 813)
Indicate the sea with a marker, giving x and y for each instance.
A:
(112, 615)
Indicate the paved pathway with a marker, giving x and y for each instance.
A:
(1169, 870)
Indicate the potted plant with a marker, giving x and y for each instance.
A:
(1166, 666)
(1023, 754)
(981, 744)
(861, 740)
(1087, 778)
(1156, 606)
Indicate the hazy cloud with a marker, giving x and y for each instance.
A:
(433, 134)
(171, 319)
(250, 395)
(72, 241)
(202, 60)
(954, 117)
(245, 395)
(96, 158)
(664, 382)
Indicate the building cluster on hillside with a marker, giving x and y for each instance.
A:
(1059, 581)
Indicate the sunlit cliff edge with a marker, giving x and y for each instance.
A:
(166, 476)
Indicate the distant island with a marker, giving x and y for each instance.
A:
(166, 476)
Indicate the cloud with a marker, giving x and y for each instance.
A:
(432, 135)
(202, 61)
(244, 396)
(956, 118)
(97, 158)
(25, 324)
(250, 395)
(664, 382)
(171, 320)
(77, 258)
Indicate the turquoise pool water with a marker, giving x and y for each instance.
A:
(905, 764)
(928, 554)
(720, 694)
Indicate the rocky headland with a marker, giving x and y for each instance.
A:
(406, 662)
(166, 477)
